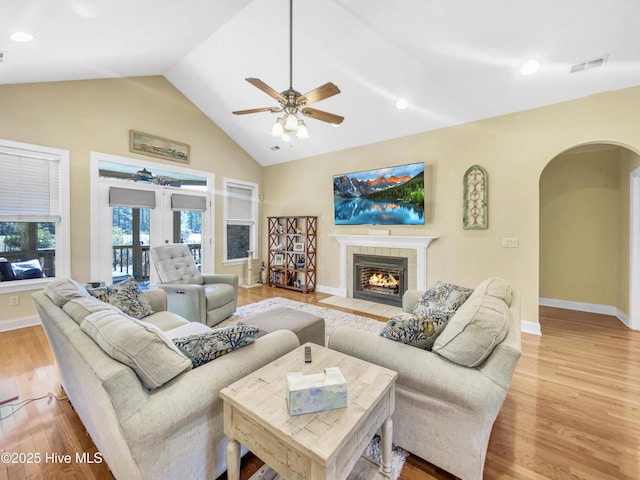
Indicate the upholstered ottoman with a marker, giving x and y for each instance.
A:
(307, 327)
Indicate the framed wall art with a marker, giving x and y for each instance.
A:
(475, 214)
(146, 144)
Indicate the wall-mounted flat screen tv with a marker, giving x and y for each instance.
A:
(386, 196)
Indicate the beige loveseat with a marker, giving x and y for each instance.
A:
(172, 431)
(444, 410)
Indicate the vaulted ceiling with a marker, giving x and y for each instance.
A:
(454, 61)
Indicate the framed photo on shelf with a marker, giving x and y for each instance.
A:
(298, 247)
(278, 259)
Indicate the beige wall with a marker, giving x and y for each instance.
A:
(96, 115)
(514, 149)
(585, 227)
(580, 227)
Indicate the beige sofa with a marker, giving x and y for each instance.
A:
(444, 411)
(172, 431)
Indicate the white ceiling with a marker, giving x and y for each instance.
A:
(455, 61)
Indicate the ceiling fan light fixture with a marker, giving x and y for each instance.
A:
(278, 128)
(291, 102)
(303, 131)
(291, 122)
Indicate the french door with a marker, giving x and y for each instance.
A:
(135, 218)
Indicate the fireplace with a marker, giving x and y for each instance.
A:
(379, 279)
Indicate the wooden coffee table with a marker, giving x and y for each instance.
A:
(314, 446)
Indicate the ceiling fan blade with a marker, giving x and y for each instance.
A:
(256, 82)
(324, 91)
(322, 116)
(256, 110)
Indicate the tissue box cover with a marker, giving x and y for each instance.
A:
(317, 392)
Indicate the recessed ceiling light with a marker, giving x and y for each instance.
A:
(401, 104)
(21, 37)
(530, 67)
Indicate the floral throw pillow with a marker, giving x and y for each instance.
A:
(126, 296)
(411, 330)
(441, 301)
(204, 347)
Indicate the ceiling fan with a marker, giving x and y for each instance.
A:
(291, 101)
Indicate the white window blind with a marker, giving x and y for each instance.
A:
(239, 203)
(132, 198)
(188, 202)
(29, 187)
(241, 213)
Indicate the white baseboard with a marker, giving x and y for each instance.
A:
(530, 327)
(586, 307)
(340, 292)
(20, 322)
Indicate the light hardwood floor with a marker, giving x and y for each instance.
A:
(573, 410)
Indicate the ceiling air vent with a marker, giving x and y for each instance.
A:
(578, 67)
(589, 64)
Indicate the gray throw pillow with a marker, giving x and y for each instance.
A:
(204, 347)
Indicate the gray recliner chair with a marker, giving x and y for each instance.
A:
(205, 298)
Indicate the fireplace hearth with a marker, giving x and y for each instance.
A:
(379, 279)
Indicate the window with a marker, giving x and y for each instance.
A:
(34, 215)
(241, 211)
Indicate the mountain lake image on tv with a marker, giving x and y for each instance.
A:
(386, 196)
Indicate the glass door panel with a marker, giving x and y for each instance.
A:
(187, 228)
(130, 244)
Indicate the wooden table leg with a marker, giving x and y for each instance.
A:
(233, 460)
(386, 436)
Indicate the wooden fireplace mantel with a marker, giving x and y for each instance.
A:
(418, 243)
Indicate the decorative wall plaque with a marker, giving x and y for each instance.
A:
(475, 201)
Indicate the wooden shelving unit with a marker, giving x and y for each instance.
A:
(292, 252)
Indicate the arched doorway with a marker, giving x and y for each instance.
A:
(588, 231)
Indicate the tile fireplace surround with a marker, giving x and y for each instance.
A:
(412, 247)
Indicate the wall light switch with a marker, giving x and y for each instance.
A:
(14, 301)
(510, 242)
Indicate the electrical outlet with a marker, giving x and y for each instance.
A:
(14, 301)
(510, 242)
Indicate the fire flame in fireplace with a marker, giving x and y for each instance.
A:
(383, 280)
